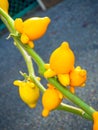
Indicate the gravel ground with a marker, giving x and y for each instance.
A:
(73, 21)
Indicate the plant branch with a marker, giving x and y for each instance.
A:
(29, 64)
(7, 20)
(74, 110)
(63, 106)
(36, 58)
(72, 97)
(27, 53)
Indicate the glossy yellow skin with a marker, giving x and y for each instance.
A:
(51, 99)
(31, 29)
(95, 118)
(4, 4)
(29, 92)
(62, 59)
(77, 78)
(64, 79)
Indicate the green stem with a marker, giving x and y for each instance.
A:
(29, 64)
(25, 55)
(41, 87)
(72, 97)
(37, 59)
(74, 110)
(7, 20)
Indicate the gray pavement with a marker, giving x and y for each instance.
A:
(73, 21)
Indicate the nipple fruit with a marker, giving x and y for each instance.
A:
(29, 92)
(51, 99)
(31, 29)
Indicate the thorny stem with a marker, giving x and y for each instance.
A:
(86, 111)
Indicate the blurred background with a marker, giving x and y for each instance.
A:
(73, 21)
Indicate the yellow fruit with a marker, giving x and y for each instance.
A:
(95, 118)
(51, 99)
(29, 92)
(4, 4)
(95, 126)
(18, 24)
(62, 59)
(95, 115)
(35, 28)
(32, 28)
(64, 79)
(26, 40)
(78, 76)
(49, 73)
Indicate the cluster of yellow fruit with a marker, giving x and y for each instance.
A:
(29, 94)
(61, 64)
(31, 29)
